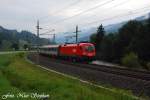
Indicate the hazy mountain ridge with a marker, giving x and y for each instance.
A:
(11, 37)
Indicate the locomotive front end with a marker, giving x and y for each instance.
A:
(88, 51)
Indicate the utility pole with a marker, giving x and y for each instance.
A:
(38, 27)
(37, 41)
(38, 34)
(77, 33)
(54, 38)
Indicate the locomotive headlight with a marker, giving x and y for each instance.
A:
(84, 53)
(90, 54)
(74, 50)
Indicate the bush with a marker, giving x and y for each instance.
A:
(131, 60)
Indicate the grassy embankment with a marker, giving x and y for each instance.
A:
(18, 75)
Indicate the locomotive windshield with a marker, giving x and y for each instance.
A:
(90, 48)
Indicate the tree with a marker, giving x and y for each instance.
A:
(107, 47)
(99, 37)
(148, 25)
(129, 31)
(15, 46)
(25, 46)
(128, 35)
(93, 38)
(142, 45)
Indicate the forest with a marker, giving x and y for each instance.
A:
(130, 46)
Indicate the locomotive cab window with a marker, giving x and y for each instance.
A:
(89, 48)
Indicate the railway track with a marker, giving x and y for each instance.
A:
(143, 75)
(131, 79)
(133, 73)
(138, 74)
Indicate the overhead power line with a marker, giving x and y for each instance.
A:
(85, 11)
(114, 6)
(60, 10)
(114, 17)
(119, 4)
(122, 15)
(45, 33)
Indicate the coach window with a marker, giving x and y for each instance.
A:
(52, 49)
(55, 49)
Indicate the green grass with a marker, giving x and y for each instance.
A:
(18, 75)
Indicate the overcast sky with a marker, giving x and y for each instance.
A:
(23, 14)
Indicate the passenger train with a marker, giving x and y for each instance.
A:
(74, 52)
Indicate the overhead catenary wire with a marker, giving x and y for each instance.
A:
(113, 17)
(119, 4)
(60, 10)
(122, 15)
(52, 30)
(85, 11)
(114, 6)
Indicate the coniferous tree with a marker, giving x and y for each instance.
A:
(148, 25)
(99, 37)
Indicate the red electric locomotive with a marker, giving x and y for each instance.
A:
(78, 52)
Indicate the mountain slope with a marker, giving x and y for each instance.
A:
(11, 37)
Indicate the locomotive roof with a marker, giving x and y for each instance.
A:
(80, 44)
(49, 46)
